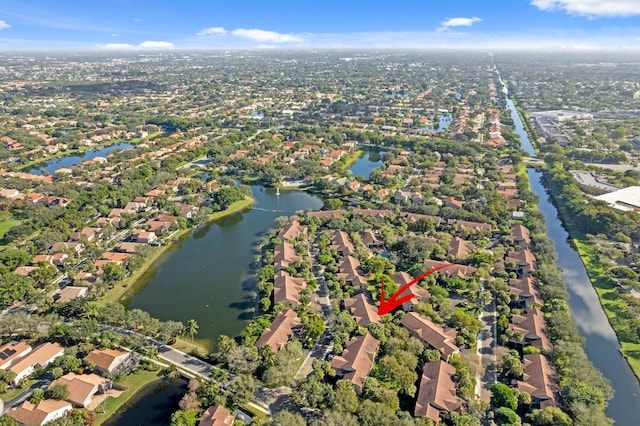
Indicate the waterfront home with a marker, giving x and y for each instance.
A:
(432, 334)
(11, 351)
(40, 357)
(82, 387)
(527, 292)
(437, 394)
(283, 327)
(521, 262)
(286, 289)
(533, 327)
(292, 230)
(284, 256)
(356, 361)
(538, 380)
(107, 361)
(144, 237)
(47, 410)
(362, 309)
(520, 235)
(465, 224)
(216, 415)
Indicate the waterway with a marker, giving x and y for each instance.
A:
(208, 275)
(152, 405)
(370, 160)
(72, 160)
(601, 341)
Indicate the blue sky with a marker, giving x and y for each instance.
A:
(162, 24)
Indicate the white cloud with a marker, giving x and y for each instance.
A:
(143, 45)
(118, 46)
(4, 25)
(213, 31)
(591, 8)
(459, 22)
(156, 45)
(266, 36)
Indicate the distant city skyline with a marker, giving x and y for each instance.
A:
(153, 25)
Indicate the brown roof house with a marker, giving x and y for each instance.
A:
(533, 327)
(527, 291)
(538, 381)
(523, 261)
(520, 235)
(216, 415)
(285, 255)
(11, 351)
(349, 269)
(459, 248)
(107, 361)
(437, 394)
(286, 289)
(291, 230)
(362, 309)
(420, 294)
(38, 414)
(356, 360)
(82, 387)
(341, 242)
(41, 356)
(282, 328)
(432, 334)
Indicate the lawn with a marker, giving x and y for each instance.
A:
(7, 224)
(133, 383)
(12, 393)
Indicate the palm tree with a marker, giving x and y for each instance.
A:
(192, 328)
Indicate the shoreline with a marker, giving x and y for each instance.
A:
(121, 290)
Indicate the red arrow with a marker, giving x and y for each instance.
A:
(387, 306)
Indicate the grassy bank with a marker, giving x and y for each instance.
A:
(610, 299)
(612, 303)
(133, 383)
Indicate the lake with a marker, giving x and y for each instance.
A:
(71, 160)
(208, 276)
(152, 405)
(370, 160)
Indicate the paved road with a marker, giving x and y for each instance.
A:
(319, 351)
(185, 361)
(487, 374)
(23, 396)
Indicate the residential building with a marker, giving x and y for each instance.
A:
(356, 361)
(437, 394)
(432, 334)
(362, 309)
(82, 387)
(216, 415)
(286, 289)
(538, 380)
(283, 327)
(107, 361)
(11, 351)
(41, 356)
(29, 414)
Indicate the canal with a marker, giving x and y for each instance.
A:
(152, 405)
(208, 276)
(370, 160)
(72, 160)
(601, 342)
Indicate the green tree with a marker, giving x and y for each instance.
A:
(192, 328)
(285, 418)
(503, 396)
(507, 417)
(184, 418)
(346, 400)
(113, 272)
(550, 416)
(59, 392)
(36, 396)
